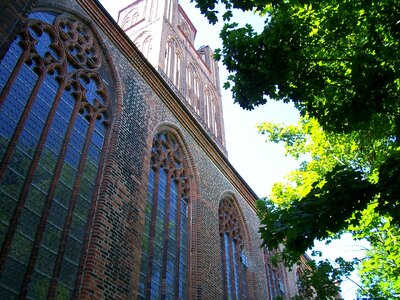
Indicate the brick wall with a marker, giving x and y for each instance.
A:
(12, 15)
(112, 253)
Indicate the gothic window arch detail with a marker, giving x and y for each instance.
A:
(145, 43)
(54, 120)
(147, 46)
(173, 62)
(164, 261)
(185, 29)
(192, 86)
(211, 111)
(275, 275)
(126, 22)
(234, 260)
(190, 83)
(132, 16)
(177, 69)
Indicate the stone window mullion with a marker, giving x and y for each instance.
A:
(166, 234)
(11, 148)
(152, 233)
(165, 158)
(71, 207)
(231, 243)
(178, 238)
(41, 100)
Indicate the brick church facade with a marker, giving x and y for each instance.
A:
(114, 177)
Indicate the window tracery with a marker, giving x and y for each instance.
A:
(173, 58)
(234, 261)
(54, 116)
(192, 85)
(165, 240)
(274, 274)
(145, 43)
(211, 111)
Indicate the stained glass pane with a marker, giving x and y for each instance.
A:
(235, 268)
(39, 286)
(9, 61)
(166, 206)
(231, 242)
(33, 113)
(228, 270)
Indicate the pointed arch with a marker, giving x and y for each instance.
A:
(211, 110)
(193, 86)
(132, 15)
(235, 248)
(275, 273)
(145, 43)
(55, 78)
(165, 264)
(173, 61)
(185, 29)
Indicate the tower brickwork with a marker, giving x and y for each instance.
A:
(166, 36)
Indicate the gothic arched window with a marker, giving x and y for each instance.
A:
(193, 86)
(177, 72)
(211, 112)
(233, 256)
(145, 43)
(173, 61)
(147, 46)
(54, 110)
(189, 83)
(274, 274)
(169, 50)
(164, 262)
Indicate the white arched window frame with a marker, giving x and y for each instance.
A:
(147, 47)
(177, 70)
(168, 59)
(214, 123)
(126, 22)
(189, 84)
(211, 112)
(207, 107)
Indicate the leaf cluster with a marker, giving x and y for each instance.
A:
(343, 173)
(337, 61)
(322, 211)
(348, 182)
(320, 281)
(379, 270)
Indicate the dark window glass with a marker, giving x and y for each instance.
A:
(53, 124)
(234, 268)
(274, 275)
(165, 238)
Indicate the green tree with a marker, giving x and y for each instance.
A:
(321, 280)
(303, 208)
(379, 270)
(338, 62)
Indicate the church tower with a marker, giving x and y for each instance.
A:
(165, 35)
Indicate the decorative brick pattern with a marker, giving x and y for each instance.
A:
(143, 105)
(12, 15)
